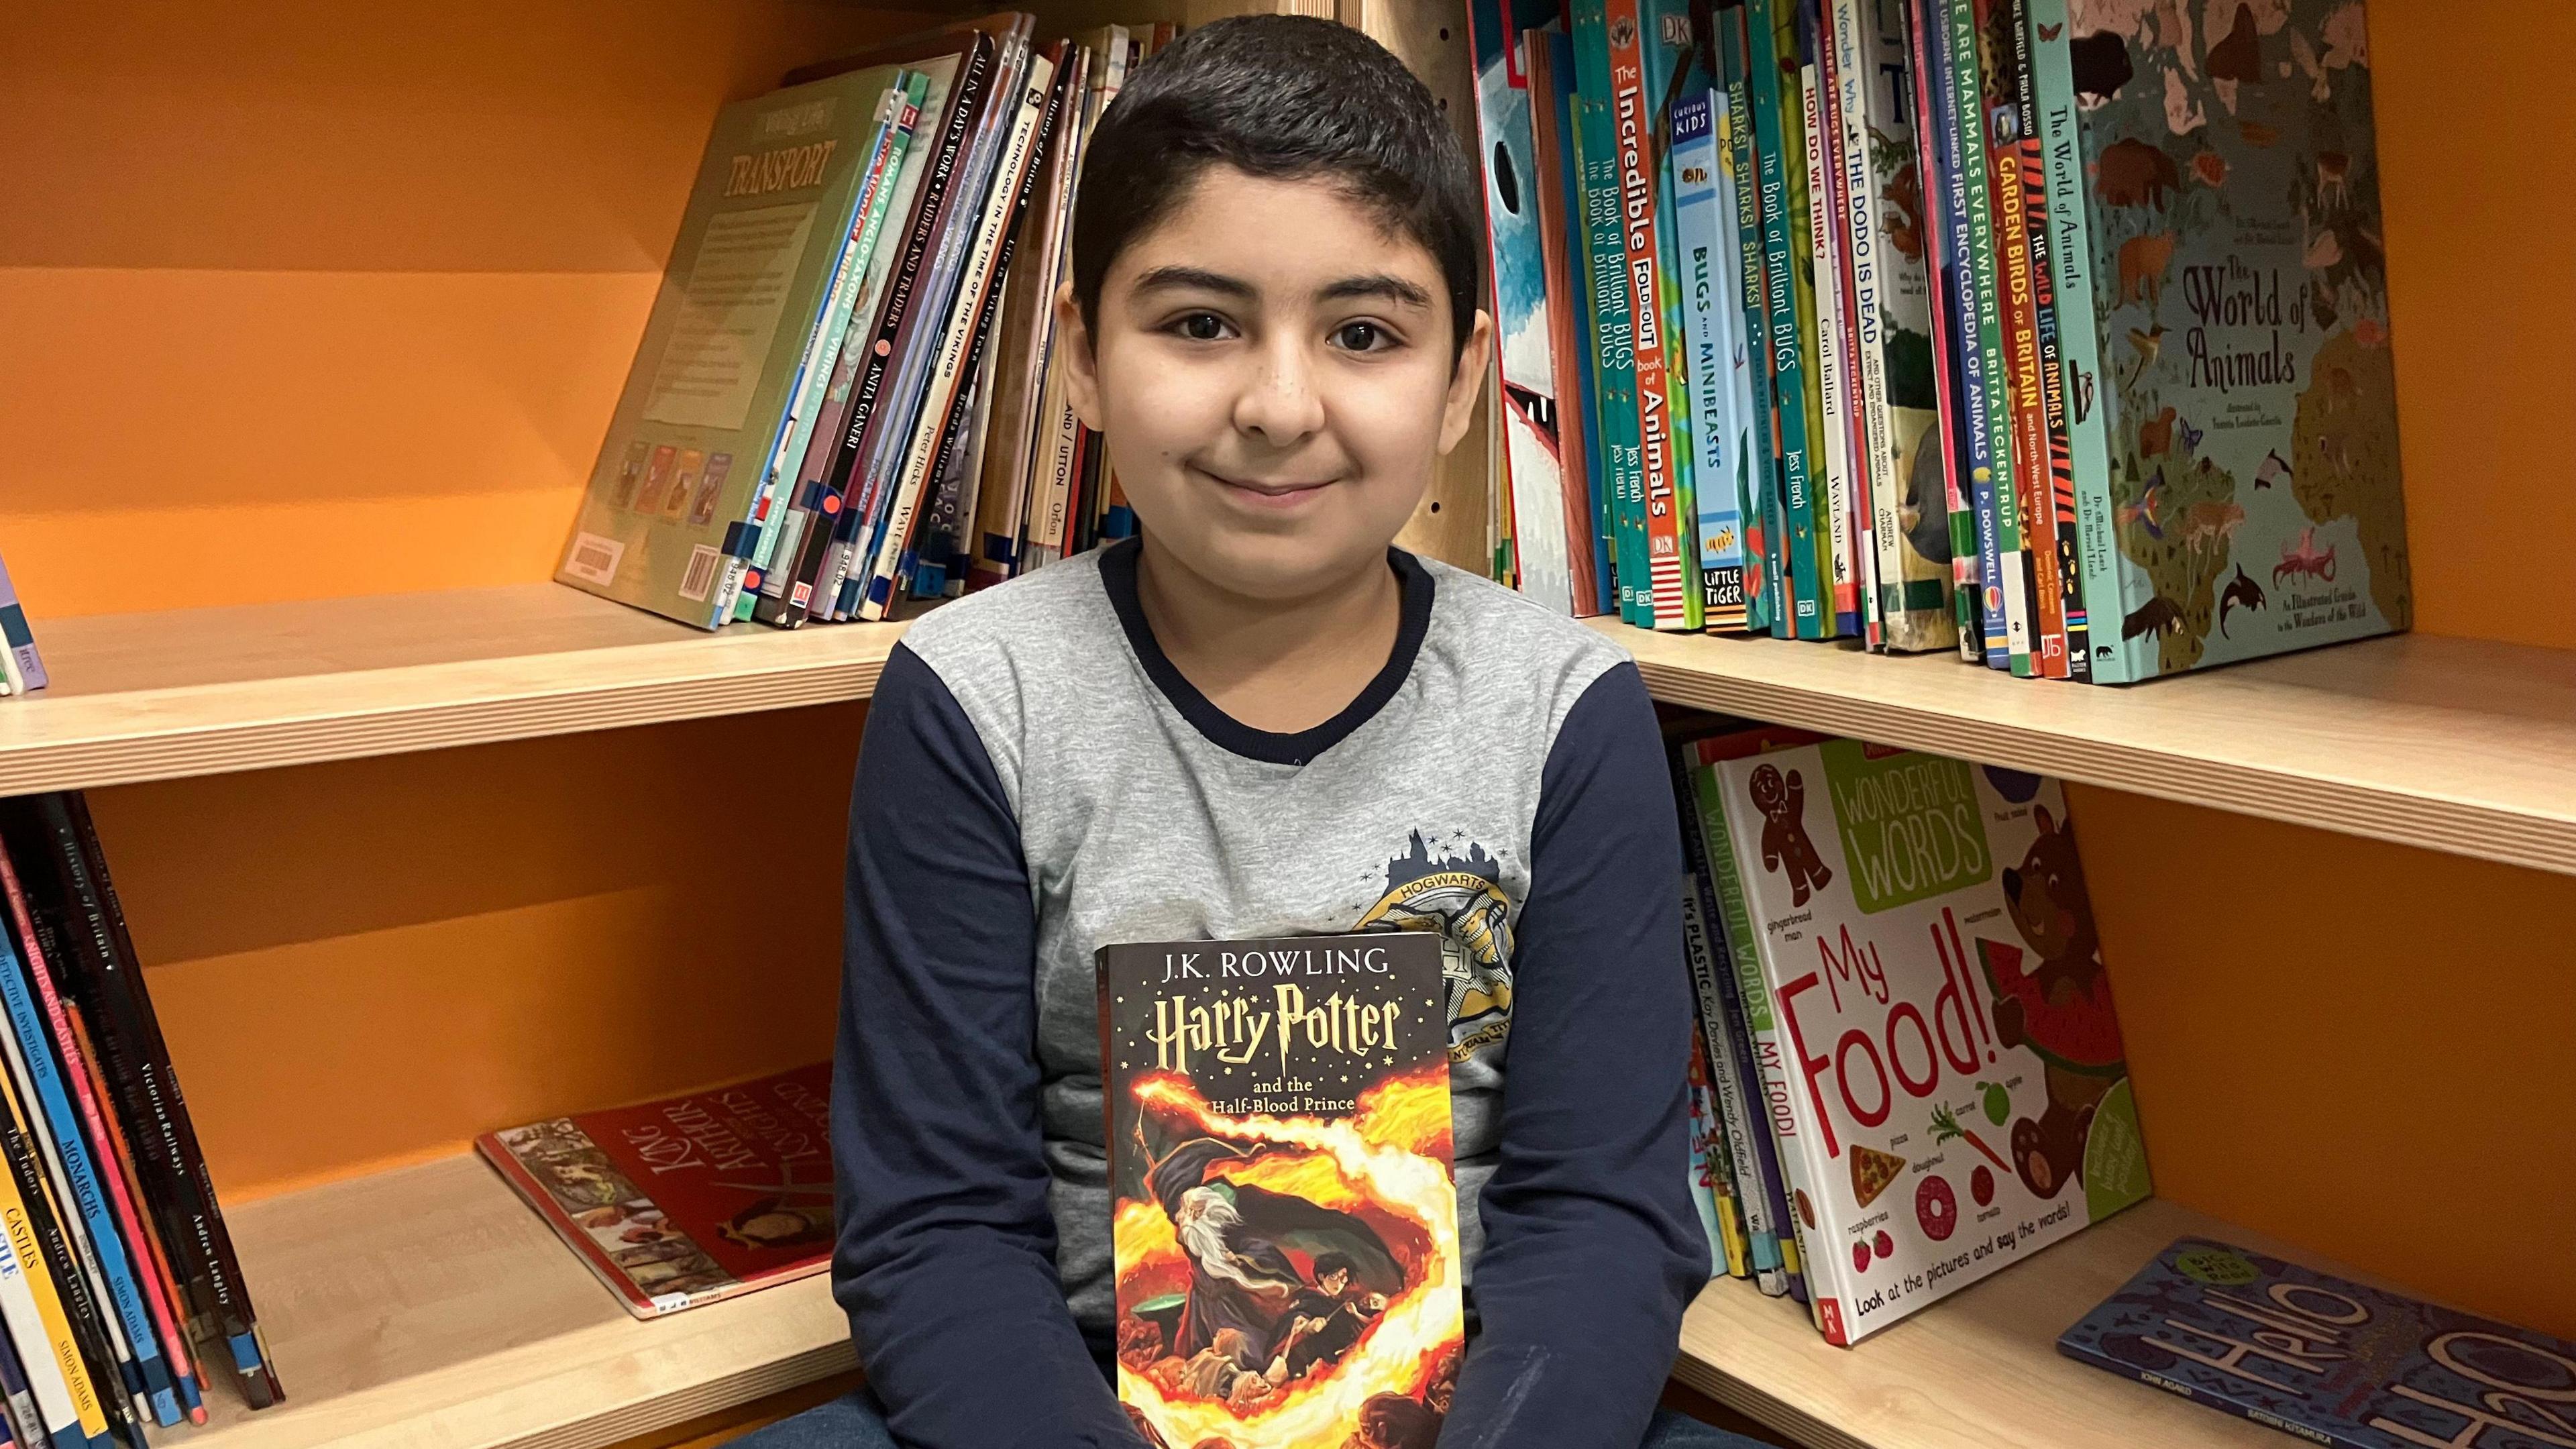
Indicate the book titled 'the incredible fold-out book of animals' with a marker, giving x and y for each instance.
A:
(1286, 1206)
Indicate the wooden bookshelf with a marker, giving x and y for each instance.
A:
(1979, 1370)
(429, 1306)
(154, 696)
(2455, 745)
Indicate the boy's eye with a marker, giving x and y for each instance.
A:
(1361, 337)
(1201, 326)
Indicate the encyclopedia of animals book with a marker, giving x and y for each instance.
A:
(687, 1200)
(2333, 1362)
(1943, 1060)
(1286, 1202)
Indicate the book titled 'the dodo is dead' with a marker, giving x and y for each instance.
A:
(1281, 1173)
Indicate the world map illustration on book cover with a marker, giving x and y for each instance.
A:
(685, 1201)
(1280, 1164)
(2330, 1361)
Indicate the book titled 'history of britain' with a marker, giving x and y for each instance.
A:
(1281, 1173)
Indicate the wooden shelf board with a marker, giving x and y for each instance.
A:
(1979, 1370)
(207, 691)
(429, 1308)
(2450, 744)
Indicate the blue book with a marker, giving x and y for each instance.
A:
(2331, 1361)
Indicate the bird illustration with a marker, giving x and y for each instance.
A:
(2143, 512)
(2149, 345)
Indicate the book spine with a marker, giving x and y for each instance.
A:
(1712, 1153)
(2055, 501)
(976, 303)
(868, 392)
(1711, 961)
(2010, 182)
(2107, 593)
(1758, 482)
(1704, 206)
(26, 668)
(1755, 1039)
(1984, 387)
(1837, 359)
(1670, 61)
(111, 1214)
(1599, 484)
(26, 1421)
(89, 1367)
(1551, 149)
(1028, 318)
(137, 1060)
(1780, 132)
(1614, 306)
(152, 1255)
(57, 1378)
(59, 1131)
(1931, 185)
(1872, 269)
(1661, 601)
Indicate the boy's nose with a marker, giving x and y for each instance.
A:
(1279, 401)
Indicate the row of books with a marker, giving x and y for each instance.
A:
(848, 392)
(1908, 1072)
(1936, 323)
(118, 1281)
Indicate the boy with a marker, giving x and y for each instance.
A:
(1257, 720)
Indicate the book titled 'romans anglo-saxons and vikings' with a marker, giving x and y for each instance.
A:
(1286, 1207)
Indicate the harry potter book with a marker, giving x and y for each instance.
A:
(685, 1201)
(1286, 1205)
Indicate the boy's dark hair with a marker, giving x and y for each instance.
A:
(1327, 1264)
(1283, 97)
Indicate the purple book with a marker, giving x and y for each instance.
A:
(21, 642)
(2328, 1360)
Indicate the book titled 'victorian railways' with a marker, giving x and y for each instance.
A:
(1286, 1205)
(688, 1200)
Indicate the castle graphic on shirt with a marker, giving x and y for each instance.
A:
(1461, 897)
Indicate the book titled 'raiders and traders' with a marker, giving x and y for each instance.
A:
(685, 1201)
(1286, 1203)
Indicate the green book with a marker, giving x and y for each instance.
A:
(706, 403)
(1789, 304)
(1605, 266)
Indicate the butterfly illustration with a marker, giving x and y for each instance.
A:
(2051, 32)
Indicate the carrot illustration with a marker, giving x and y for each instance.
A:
(1945, 1125)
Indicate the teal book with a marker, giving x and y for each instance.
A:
(1765, 527)
(1605, 264)
(1789, 302)
(2246, 499)
(664, 522)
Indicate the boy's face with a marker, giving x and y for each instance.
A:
(1274, 376)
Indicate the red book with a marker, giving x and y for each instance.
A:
(687, 1200)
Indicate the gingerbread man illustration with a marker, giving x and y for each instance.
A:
(1785, 846)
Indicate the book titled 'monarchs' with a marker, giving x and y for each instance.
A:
(685, 1201)
(1286, 1205)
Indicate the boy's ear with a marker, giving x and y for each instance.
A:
(1081, 369)
(1466, 379)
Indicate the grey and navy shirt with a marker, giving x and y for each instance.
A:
(1037, 780)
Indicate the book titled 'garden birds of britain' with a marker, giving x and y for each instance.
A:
(1286, 1230)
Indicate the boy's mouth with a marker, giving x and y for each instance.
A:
(1267, 492)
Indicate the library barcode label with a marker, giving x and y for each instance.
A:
(595, 559)
(701, 575)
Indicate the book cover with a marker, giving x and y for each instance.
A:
(1837, 356)
(1947, 1032)
(1789, 300)
(1941, 297)
(2331, 1361)
(738, 303)
(1605, 257)
(1523, 325)
(1286, 1208)
(2054, 485)
(1710, 1162)
(684, 1201)
(1549, 54)
(2240, 288)
(1704, 213)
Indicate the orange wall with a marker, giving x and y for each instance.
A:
(301, 303)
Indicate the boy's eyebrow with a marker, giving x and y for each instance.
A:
(1376, 284)
(1197, 279)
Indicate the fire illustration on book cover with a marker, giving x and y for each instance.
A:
(1287, 1254)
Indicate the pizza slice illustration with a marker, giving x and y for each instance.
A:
(1872, 1170)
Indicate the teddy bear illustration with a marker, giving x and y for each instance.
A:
(2055, 999)
(1785, 846)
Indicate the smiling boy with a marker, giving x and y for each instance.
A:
(1259, 719)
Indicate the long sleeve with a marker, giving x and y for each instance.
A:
(1592, 1248)
(945, 1259)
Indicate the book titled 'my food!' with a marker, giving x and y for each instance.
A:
(2331, 1361)
(1285, 1198)
(1944, 1060)
(684, 1201)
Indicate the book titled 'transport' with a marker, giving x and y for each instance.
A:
(1286, 1205)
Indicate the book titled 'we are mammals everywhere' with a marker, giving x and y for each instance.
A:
(687, 1200)
(1286, 1205)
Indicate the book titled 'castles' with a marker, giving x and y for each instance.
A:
(1286, 1206)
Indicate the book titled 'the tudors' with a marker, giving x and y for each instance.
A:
(2330, 1361)
(1285, 1196)
(681, 1202)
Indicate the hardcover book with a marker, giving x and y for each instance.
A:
(2244, 496)
(2333, 1362)
(1286, 1205)
(1944, 1036)
(689, 1200)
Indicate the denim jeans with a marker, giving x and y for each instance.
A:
(854, 1421)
